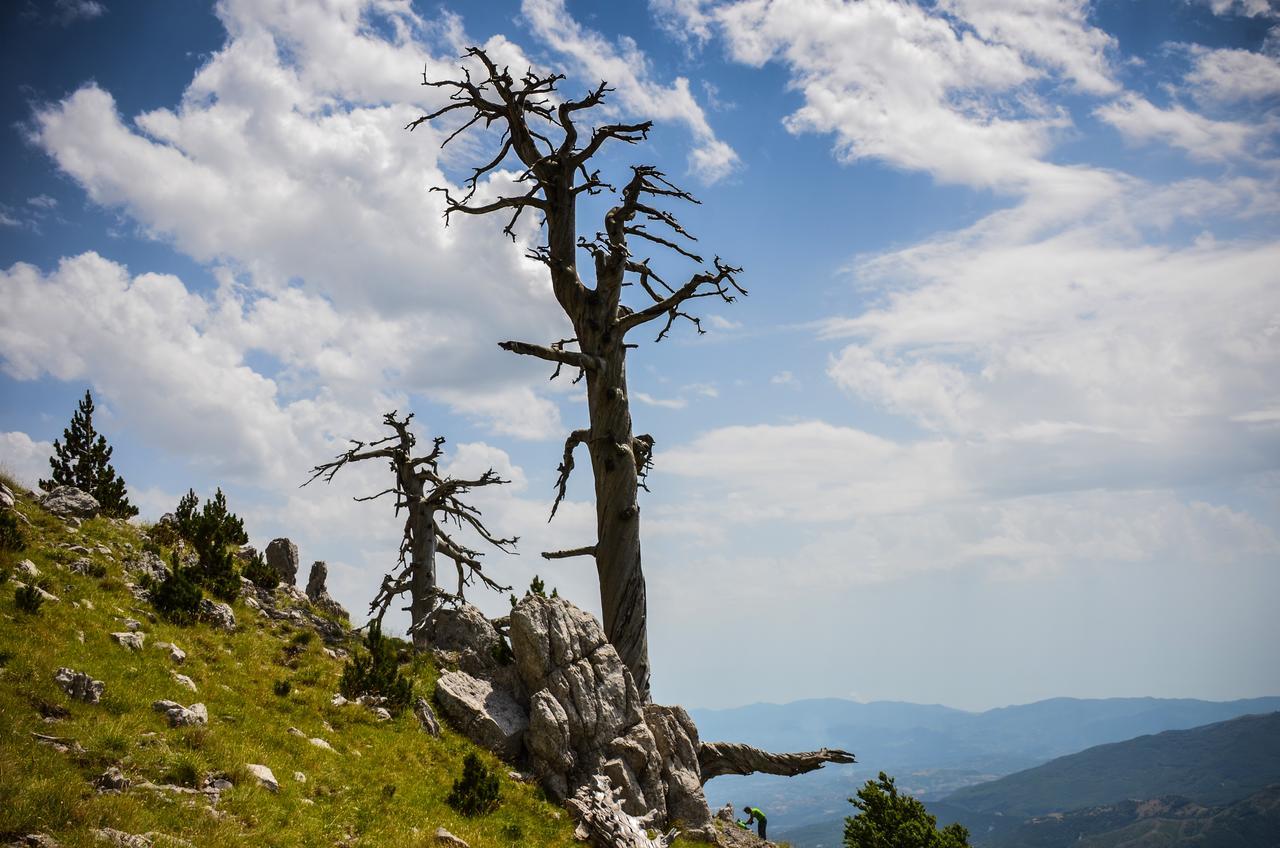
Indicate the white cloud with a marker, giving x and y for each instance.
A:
(1139, 120)
(627, 69)
(665, 403)
(69, 11)
(1232, 75)
(784, 378)
(24, 458)
(1056, 33)
(42, 201)
(1246, 8)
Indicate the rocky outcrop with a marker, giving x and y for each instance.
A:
(264, 775)
(69, 502)
(7, 499)
(130, 639)
(318, 592)
(282, 556)
(146, 564)
(218, 614)
(426, 717)
(604, 824)
(79, 685)
(461, 636)
(180, 716)
(486, 715)
(586, 719)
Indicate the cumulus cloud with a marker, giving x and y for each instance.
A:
(1139, 120)
(630, 72)
(1232, 75)
(24, 458)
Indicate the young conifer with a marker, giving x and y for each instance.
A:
(83, 460)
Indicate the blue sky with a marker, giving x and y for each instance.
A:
(997, 422)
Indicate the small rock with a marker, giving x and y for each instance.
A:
(444, 837)
(381, 714)
(299, 777)
(426, 716)
(293, 731)
(132, 625)
(7, 499)
(79, 685)
(111, 780)
(132, 641)
(103, 549)
(218, 614)
(180, 716)
(264, 776)
(70, 503)
(185, 681)
(27, 570)
(37, 840)
(120, 839)
(81, 566)
(88, 604)
(175, 653)
(48, 596)
(320, 743)
(338, 701)
(148, 564)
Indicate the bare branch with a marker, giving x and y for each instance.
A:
(722, 284)
(717, 758)
(563, 357)
(589, 550)
(576, 438)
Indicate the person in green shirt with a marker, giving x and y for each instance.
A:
(755, 815)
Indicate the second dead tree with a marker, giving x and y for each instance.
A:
(430, 501)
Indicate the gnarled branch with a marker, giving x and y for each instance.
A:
(717, 758)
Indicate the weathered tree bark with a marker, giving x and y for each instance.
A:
(717, 758)
(557, 174)
(602, 822)
(428, 499)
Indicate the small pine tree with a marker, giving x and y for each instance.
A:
(262, 575)
(212, 531)
(476, 792)
(84, 461)
(887, 819)
(10, 536)
(177, 597)
(28, 599)
(376, 673)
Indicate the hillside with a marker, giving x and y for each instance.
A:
(344, 776)
(932, 750)
(1212, 765)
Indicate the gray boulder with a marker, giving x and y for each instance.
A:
(79, 685)
(218, 614)
(264, 776)
(180, 716)
(488, 716)
(587, 720)
(146, 564)
(7, 499)
(131, 640)
(282, 556)
(70, 502)
(461, 635)
(318, 592)
(111, 780)
(426, 717)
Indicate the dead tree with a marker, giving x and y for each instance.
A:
(718, 758)
(540, 136)
(430, 501)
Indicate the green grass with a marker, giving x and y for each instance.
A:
(385, 786)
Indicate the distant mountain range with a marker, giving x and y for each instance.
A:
(932, 750)
(1216, 786)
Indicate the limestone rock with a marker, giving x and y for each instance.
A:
(444, 837)
(70, 502)
(146, 564)
(176, 654)
(79, 685)
(463, 636)
(321, 743)
(111, 780)
(27, 570)
(7, 499)
(318, 592)
(282, 556)
(131, 640)
(120, 839)
(132, 625)
(426, 716)
(217, 614)
(36, 840)
(264, 776)
(488, 716)
(183, 680)
(180, 716)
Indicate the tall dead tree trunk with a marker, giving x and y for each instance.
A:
(428, 500)
(539, 132)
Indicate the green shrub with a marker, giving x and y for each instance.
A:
(177, 597)
(281, 688)
(28, 599)
(10, 536)
(376, 673)
(262, 575)
(476, 792)
(212, 531)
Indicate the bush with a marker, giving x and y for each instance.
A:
(262, 575)
(212, 530)
(281, 688)
(10, 536)
(178, 596)
(887, 819)
(28, 599)
(476, 792)
(376, 673)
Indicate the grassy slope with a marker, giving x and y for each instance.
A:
(386, 785)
